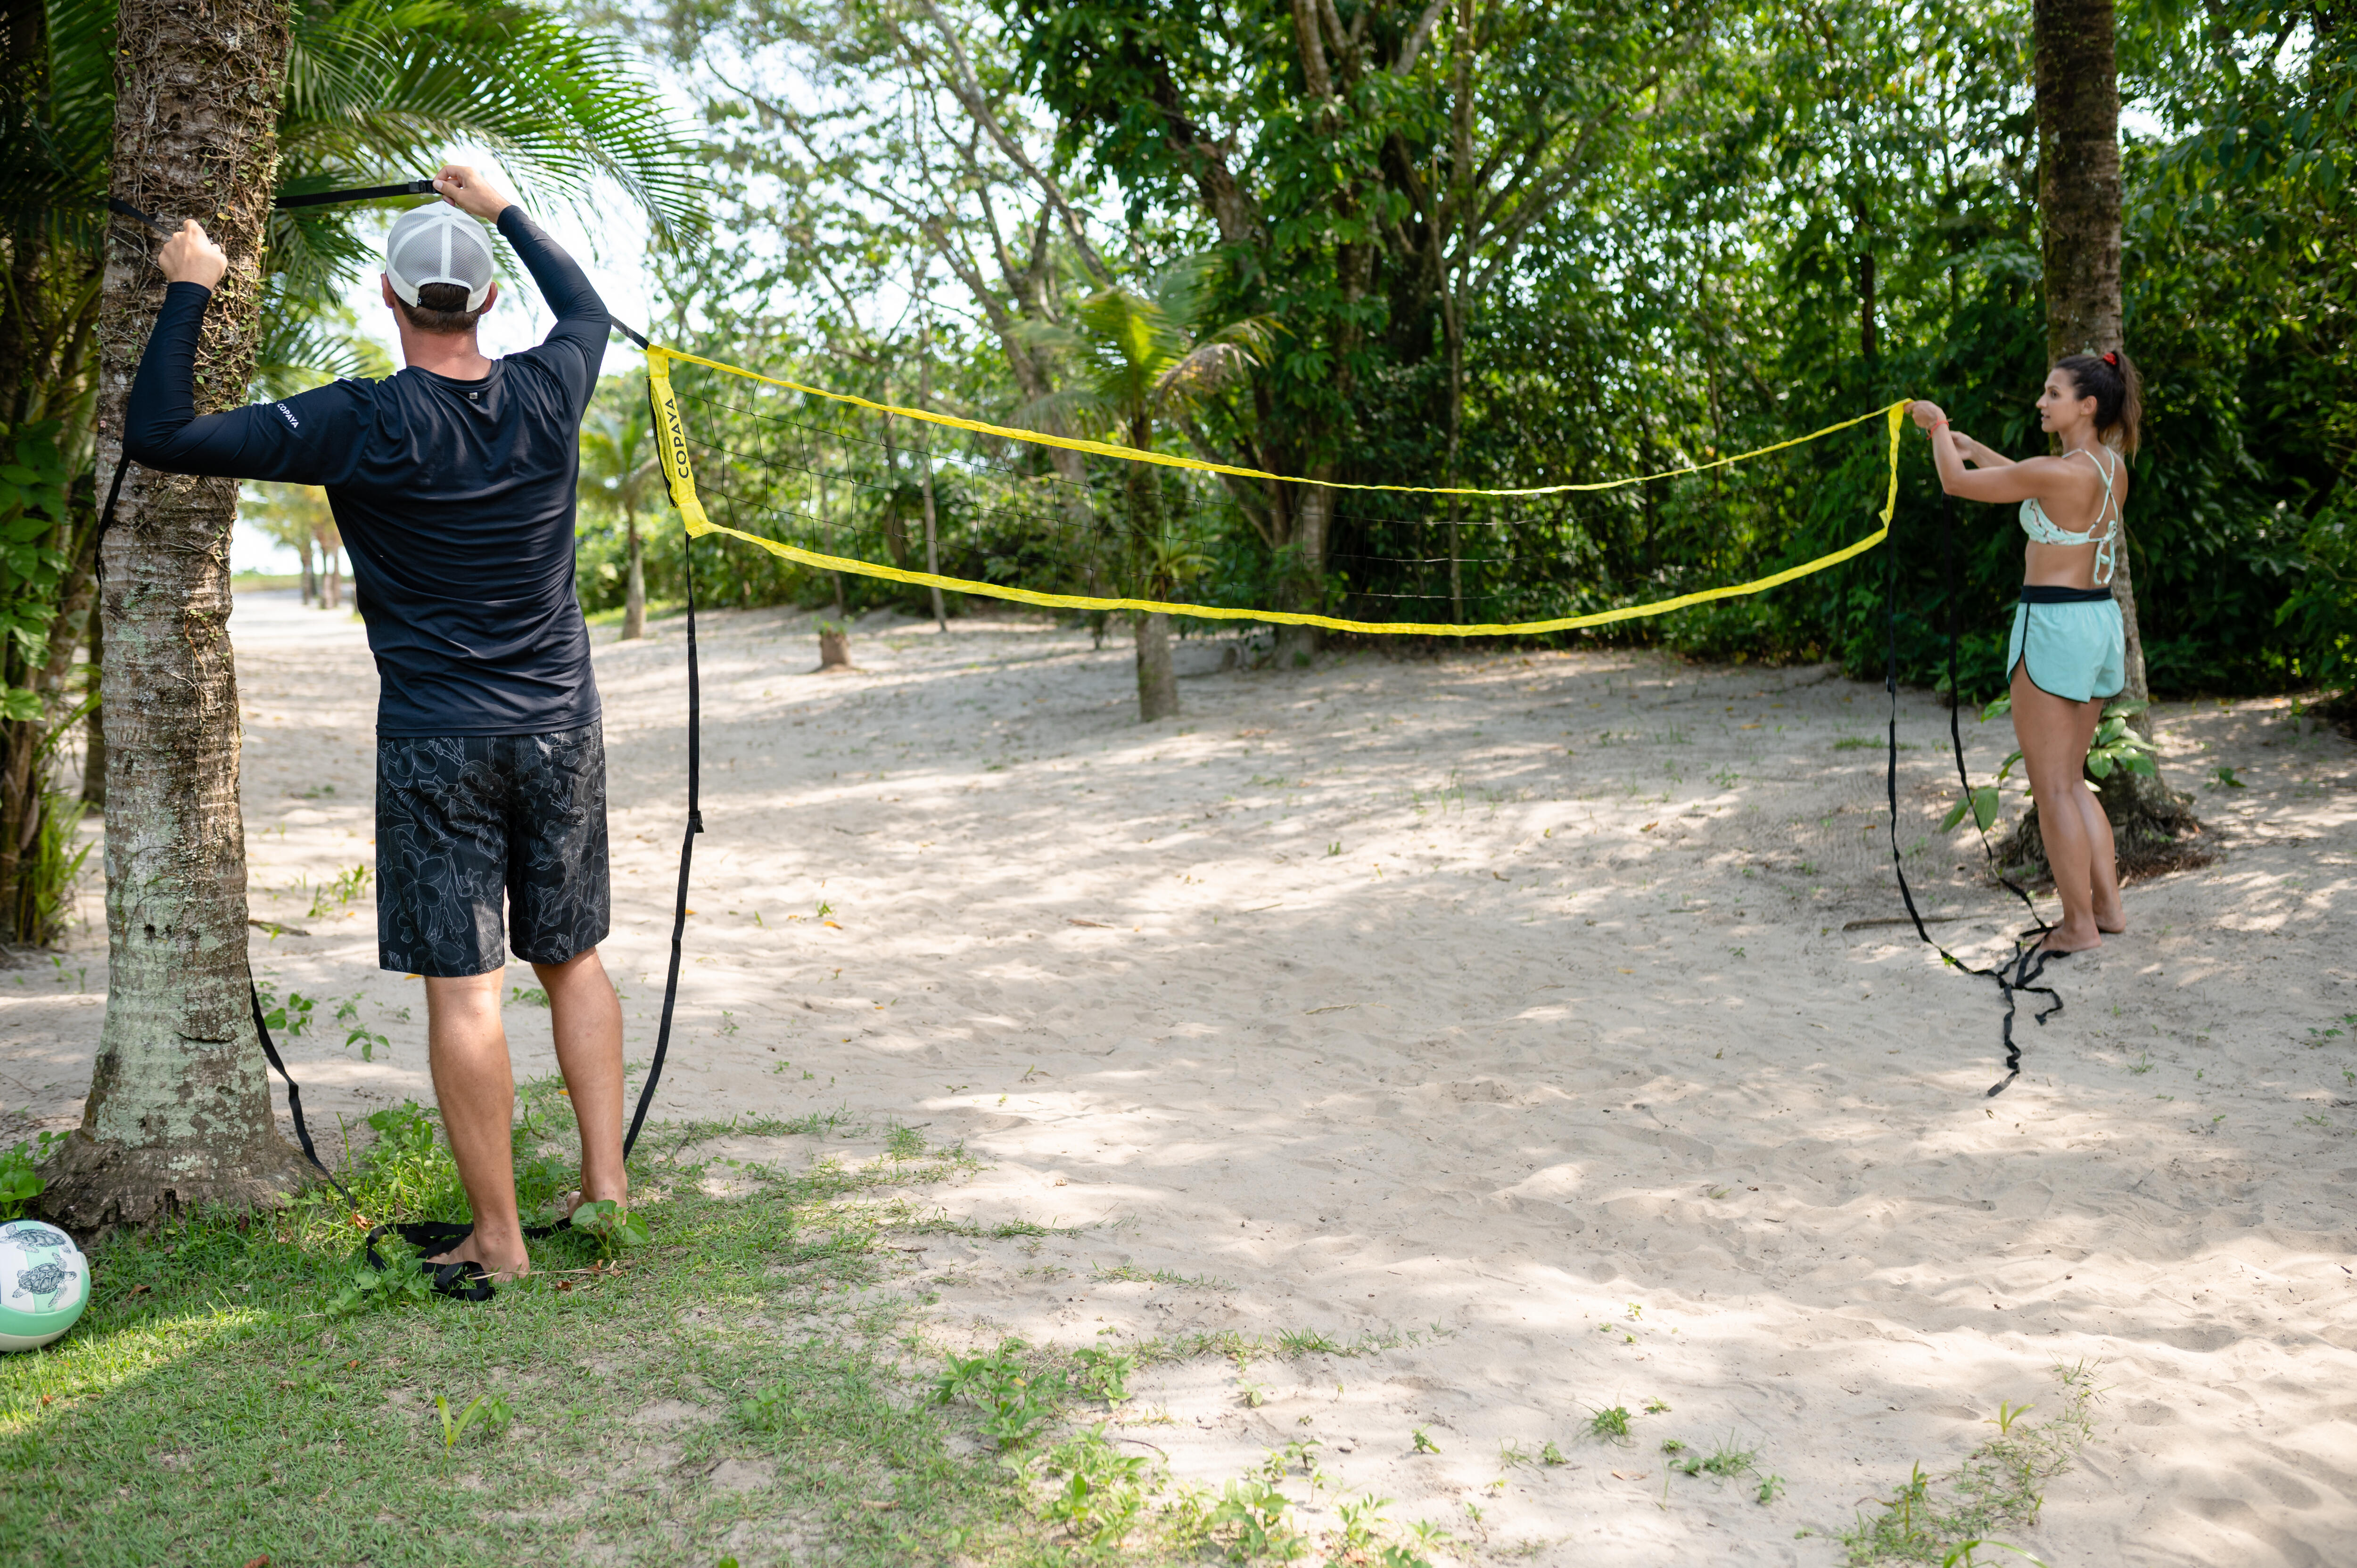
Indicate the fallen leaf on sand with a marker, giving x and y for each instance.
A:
(879, 1507)
(1649, 827)
(830, 923)
(1100, 925)
(1630, 1476)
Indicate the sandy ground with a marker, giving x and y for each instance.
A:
(1538, 1017)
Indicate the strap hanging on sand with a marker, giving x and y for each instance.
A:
(2022, 971)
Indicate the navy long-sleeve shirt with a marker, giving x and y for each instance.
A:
(454, 499)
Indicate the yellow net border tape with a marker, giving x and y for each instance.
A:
(672, 442)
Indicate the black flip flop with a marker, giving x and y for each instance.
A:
(465, 1281)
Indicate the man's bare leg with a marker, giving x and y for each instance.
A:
(587, 1019)
(475, 1084)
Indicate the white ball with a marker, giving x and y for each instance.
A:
(44, 1283)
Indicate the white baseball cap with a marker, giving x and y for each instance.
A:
(438, 243)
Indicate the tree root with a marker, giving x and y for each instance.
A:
(2149, 839)
(97, 1188)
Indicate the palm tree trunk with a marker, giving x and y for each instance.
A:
(2078, 208)
(179, 1109)
(93, 745)
(634, 586)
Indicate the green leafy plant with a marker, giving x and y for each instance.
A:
(1102, 1495)
(1104, 1374)
(286, 1019)
(1610, 1424)
(489, 1410)
(1724, 1462)
(368, 1041)
(401, 1282)
(2115, 749)
(20, 1179)
(1420, 1441)
(340, 889)
(1551, 1454)
(1251, 1514)
(527, 996)
(613, 1227)
(1016, 1403)
(1944, 1518)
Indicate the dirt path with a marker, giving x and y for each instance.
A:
(1526, 1016)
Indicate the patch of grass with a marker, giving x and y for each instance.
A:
(1129, 1274)
(2000, 1484)
(1610, 1424)
(1725, 1461)
(209, 1409)
(346, 886)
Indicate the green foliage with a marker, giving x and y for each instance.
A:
(20, 1178)
(1610, 1424)
(1944, 1519)
(1102, 1492)
(203, 1354)
(401, 1282)
(1017, 1401)
(1104, 1374)
(614, 1227)
(286, 1020)
(1250, 1520)
(344, 888)
(491, 1410)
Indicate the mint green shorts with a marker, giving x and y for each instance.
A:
(2075, 651)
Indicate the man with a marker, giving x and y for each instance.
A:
(453, 486)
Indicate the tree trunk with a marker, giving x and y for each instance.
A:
(93, 745)
(634, 585)
(308, 547)
(1157, 683)
(2078, 208)
(932, 541)
(179, 1109)
(1298, 645)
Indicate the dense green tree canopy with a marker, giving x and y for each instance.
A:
(1524, 244)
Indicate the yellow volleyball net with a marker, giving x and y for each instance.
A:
(679, 475)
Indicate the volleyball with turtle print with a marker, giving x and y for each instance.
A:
(44, 1283)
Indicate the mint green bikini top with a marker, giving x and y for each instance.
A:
(2105, 536)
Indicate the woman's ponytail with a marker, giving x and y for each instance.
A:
(2112, 381)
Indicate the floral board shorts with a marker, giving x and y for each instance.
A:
(485, 843)
(2071, 641)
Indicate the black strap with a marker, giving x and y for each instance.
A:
(106, 521)
(315, 198)
(358, 193)
(116, 204)
(688, 839)
(2022, 971)
(293, 1096)
(2046, 594)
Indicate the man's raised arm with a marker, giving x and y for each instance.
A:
(581, 318)
(292, 440)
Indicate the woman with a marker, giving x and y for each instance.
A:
(2068, 654)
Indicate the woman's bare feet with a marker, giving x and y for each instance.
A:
(2111, 915)
(2069, 937)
